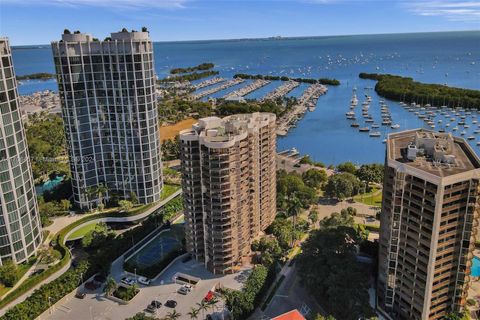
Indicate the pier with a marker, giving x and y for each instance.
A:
(208, 83)
(243, 91)
(225, 85)
(308, 99)
(281, 90)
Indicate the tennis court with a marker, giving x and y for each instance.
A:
(156, 249)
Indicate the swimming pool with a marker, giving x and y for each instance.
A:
(48, 185)
(475, 267)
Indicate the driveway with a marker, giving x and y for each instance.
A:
(96, 306)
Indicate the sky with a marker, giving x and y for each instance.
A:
(28, 22)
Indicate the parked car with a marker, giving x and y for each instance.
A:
(189, 287)
(153, 306)
(80, 295)
(183, 290)
(171, 303)
(144, 281)
(128, 281)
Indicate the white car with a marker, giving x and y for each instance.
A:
(144, 281)
(188, 287)
(128, 281)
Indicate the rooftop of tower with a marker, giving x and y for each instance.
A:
(440, 154)
(114, 36)
(215, 129)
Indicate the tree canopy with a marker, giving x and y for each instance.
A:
(407, 90)
(329, 270)
(343, 185)
(370, 173)
(314, 178)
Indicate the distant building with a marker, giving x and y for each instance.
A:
(229, 186)
(110, 113)
(20, 227)
(428, 223)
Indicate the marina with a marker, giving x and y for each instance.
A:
(281, 90)
(243, 91)
(324, 133)
(208, 83)
(207, 92)
(308, 100)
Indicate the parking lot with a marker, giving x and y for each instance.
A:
(96, 306)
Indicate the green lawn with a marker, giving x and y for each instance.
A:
(82, 231)
(372, 198)
(168, 190)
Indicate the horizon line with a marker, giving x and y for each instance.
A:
(280, 37)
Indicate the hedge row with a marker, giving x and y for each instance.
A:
(50, 293)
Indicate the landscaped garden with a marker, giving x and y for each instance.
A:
(126, 294)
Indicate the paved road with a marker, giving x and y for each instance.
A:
(291, 295)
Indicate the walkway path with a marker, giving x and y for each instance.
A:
(63, 222)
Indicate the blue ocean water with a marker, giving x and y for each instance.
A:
(451, 58)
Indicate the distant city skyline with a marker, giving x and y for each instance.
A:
(182, 20)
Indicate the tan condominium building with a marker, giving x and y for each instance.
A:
(427, 226)
(229, 186)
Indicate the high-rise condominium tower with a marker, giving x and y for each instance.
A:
(20, 228)
(229, 186)
(109, 109)
(428, 224)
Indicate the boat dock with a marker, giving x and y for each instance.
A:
(281, 90)
(243, 91)
(208, 82)
(308, 99)
(225, 85)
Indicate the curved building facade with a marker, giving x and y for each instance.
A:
(110, 114)
(20, 227)
(229, 186)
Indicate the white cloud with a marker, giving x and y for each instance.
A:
(124, 4)
(451, 10)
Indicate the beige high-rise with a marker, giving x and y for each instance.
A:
(428, 224)
(229, 186)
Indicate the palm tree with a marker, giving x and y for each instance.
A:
(202, 307)
(101, 190)
(89, 192)
(294, 206)
(174, 315)
(211, 304)
(193, 313)
(110, 286)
